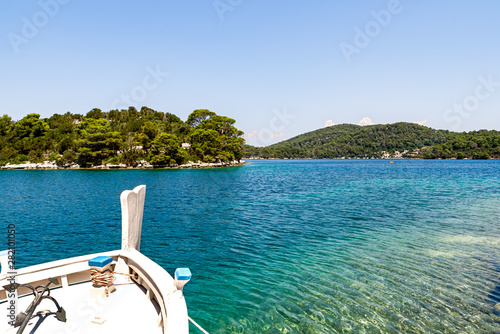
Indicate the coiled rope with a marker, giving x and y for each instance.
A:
(105, 278)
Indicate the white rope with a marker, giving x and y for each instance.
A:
(199, 327)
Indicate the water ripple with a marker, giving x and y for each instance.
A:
(292, 246)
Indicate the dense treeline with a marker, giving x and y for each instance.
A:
(411, 140)
(481, 144)
(120, 136)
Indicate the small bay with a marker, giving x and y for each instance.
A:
(290, 246)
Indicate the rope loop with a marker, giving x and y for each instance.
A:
(105, 278)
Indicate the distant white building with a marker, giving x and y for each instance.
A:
(186, 146)
(386, 155)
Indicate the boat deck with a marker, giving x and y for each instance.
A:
(127, 310)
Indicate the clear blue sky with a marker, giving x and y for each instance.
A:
(280, 68)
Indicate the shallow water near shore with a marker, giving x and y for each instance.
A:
(291, 246)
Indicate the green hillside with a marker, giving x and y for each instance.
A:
(408, 139)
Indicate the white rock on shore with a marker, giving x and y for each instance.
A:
(28, 165)
(116, 166)
(141, 164)
(144, 164)
(200, 164)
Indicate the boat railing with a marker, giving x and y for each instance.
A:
(67, 271)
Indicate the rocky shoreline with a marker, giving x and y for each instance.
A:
(140, 165)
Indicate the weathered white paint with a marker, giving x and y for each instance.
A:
(161, 284)
(132, 210)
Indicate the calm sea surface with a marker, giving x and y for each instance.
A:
(291, 246)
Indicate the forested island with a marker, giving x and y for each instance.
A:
(121, 138)
(139, 138)
(398, 140)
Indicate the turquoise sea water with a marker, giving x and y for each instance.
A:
(293, 246)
